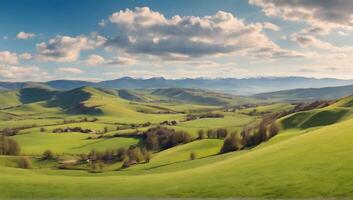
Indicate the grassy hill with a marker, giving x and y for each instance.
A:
(316, 164)
(334, 113)
(310, 158)
(309, 94)
(25, 95)
(202, 97)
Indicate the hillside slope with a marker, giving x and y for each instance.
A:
(310, 94)
(337, 112)
(289, 169)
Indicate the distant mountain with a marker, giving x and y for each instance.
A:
(245, 86)
(309, 94)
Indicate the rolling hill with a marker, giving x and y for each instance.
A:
(316, 164)
(244, 86)
(309, 94)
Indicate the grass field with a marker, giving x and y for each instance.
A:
(310, 158)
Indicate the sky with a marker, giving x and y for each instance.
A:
(104, 39)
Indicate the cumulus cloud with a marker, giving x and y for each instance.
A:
(270, 26)
(71, 70)
(143, 31)
(322, 15)
(7, 57)
(66, 48)
(95, 60)
(25, 56)
(309, 40)
(21, 73)
(25, 36)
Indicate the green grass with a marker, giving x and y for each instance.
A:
(294, 168)
(310, 158)
(69, 143)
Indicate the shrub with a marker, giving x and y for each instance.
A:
(192, 155)
(232, 143)
(42, 130)
(274, 129)
(222, 133)
(147, 156)
(161, 138)
(96, 167)
(211, 133)
(24, 163)
(201, 134)
(9, 146)
(47, 155)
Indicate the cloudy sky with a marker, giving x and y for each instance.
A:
(102, 39)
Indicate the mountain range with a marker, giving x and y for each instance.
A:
(241, 86)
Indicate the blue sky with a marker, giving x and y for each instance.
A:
(102, 39)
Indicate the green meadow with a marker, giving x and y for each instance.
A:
(310, 157)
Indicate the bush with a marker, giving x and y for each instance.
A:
(42, 130)
(47, 155)
(161, 138)
(201, 134)
(9, 146)
(24, 163)
(147, 156)
(192, 155)
(211, 133)
(96, 167)
(274, 129)
(232, 143)
(222, 133)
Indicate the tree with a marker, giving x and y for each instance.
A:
(192, 155)
(222, 133)
(262, 133)
(211, 133)
(42, 130)
(105, 130)
(147, 156)
(13, 147)
(24, 163)
(48, 155)
(274, 129)
(232, 143)
(201, 134)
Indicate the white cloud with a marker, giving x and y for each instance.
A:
(102, 22)
(5, 37)
(7, 57)
(322, 15)
(22, 73)
(95, 60)
(25, 36)
(70, 70)
(25, 56)
(143, 31)
(66, 48)
(270, 26)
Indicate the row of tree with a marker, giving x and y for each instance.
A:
(219, 133)
(190, 117)
(250, 137)
(161, 138)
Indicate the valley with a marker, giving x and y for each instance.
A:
(70, 140)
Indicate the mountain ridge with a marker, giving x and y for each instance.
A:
(240, 86)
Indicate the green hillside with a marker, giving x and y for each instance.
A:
(309, 158)
(334, 113)
(24, 96)
(308, 94)
(203, 97)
